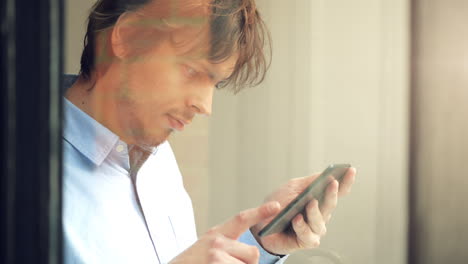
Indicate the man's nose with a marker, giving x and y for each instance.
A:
(202, 101)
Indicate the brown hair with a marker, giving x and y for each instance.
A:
(235, 26)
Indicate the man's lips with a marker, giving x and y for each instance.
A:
(176, 123)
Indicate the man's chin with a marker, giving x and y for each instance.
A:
(151, 144)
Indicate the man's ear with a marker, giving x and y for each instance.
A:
(119, 36)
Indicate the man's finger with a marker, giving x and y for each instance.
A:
(243, 252)
(237, 225)
(315, 218)
(307, 180)
(219, 256)
(330, 201)
(305, 237)
(347, 182)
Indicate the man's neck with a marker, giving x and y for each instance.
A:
(81, 94)
(137, 157)
(87, 96)
(97, 99)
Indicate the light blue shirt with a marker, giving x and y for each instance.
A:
(102, 220)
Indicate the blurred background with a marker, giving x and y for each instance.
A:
(380, 84)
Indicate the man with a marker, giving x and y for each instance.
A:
(148, 67)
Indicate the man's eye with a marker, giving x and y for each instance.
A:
(189, 71)
(221, 84)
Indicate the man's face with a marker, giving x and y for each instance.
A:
(163, 89)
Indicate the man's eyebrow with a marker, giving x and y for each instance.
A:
(213, 75)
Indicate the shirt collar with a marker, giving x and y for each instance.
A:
(88, 136)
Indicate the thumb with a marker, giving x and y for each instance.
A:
(237, 225)
(305, 181)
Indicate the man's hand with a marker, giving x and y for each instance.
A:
(306, 234)
(220, 245)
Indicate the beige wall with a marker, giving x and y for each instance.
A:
(75, 19)
(337, 92)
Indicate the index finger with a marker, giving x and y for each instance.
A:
(237, 225)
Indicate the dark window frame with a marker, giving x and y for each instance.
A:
(31, 151)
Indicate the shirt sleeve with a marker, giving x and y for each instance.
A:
(265, 257)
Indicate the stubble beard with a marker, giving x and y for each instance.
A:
(149, 143)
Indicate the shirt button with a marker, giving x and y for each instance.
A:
(119, 148)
